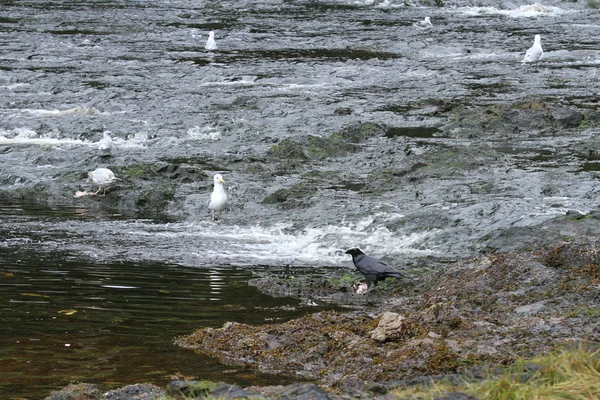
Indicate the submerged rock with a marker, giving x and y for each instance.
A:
(140, 391)
(79, 391)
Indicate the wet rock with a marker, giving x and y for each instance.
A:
(390, 325)
(191, 389)
(303, 391)
(441, 312)
(456, 396)
(360, 132)
(550, 234)
(296, 196)
(567, 117)
(318, 148)
(311, 148)
(140, 391)
(343, 111)
(80, 391)
(530, 308)
(527, 120)
(229, 392)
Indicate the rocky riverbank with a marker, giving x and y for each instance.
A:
(464, 319)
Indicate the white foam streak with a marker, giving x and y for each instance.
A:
(27, 136)
(57, 113)
(241, 82)
(319, 245)
(203, 133)
(531, 10)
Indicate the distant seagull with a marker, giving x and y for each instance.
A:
(103, 177)
(535, 52)
(372, 269)
(105, 144)
(210, 43)
(424, 25)
(218, 197)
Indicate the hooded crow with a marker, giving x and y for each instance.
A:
(372, 269)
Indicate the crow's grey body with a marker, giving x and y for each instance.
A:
(372, 269)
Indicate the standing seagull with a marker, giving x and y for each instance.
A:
(210, 43)
(535, 52)
(372, 269)
(218, 197)
(103, 177)
(105, 144)
(424, 25)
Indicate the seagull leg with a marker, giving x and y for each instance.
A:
(103, 193)
(96, 192)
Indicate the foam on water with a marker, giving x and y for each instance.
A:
(58, 113)
(204, 132)
(531, 10)
(216, 243)
(376, 3)
(31, 137)
(28, 136)
(241, 82)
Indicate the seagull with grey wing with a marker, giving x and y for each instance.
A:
(535, 52)
(424, 25)
(372, 269)
(210, 42)
(218, 197)
(105, 144)
(103, 177)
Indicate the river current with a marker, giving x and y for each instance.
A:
(70, 70)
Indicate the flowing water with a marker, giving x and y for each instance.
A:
(70, 318)
(93, 293)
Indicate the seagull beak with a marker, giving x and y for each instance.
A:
(222, 181)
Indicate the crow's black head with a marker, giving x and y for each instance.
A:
(355, 251)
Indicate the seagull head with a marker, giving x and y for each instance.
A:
(218, 179)
(211, 34)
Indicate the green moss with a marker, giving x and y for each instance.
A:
(593, 4)
(342, 281)
(443, 360)
(137, 170)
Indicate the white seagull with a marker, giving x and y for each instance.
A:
(210, 43)
(424, 25)
(103, 177)
(105, 144)
(535, 52)
(218, 197)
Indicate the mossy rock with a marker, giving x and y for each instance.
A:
(317, 148)
(293, 197)
(361, 132)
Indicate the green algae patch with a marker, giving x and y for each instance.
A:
(318, 148)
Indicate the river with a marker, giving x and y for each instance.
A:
(136, 277)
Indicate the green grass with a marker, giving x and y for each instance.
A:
(571, 374)
(568, 374)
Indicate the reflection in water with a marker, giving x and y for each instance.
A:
(67, 319)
